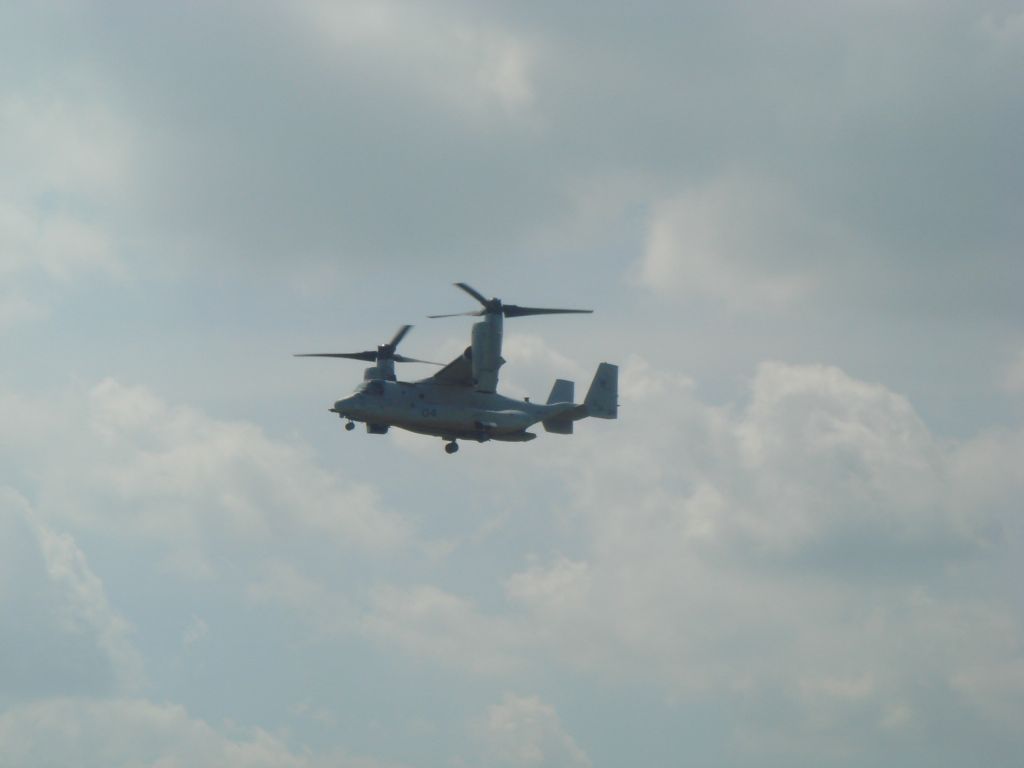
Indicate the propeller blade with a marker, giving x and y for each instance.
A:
(508, 310)
(458, 314)
(473, 292)
(511, 310)
(399, 336)
(404, 359)
(370, 357)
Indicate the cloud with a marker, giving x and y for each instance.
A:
(59, 632)
(1012, 379)
(66, 156)
(537, 364)
(135, 466)
(524, 731)
(121, 731)
(308, 130)
(325, 611)
(827, 450)
(469, 65)
(1006, 29)
(815, 453)
(742, 241)
(818, 554)
(468, 131)
(15, 310)
(803, 545)
(729, 550)
(425, 621)
(800, 548)
(196, 630)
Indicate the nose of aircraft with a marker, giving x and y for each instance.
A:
(345, 406)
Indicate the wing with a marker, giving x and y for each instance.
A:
(458, 373)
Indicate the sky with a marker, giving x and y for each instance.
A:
(801, 228)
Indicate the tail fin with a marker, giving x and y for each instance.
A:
(602, 399)
(562, 392)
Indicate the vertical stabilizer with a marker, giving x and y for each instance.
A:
(602, 400)
(562, 392)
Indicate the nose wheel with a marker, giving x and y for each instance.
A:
(350, 425)
(452, 447)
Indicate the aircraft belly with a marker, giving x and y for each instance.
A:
(471, 434)
(449, 421)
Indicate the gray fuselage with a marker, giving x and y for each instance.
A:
(449, 412)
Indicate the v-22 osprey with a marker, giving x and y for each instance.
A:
(461, 402)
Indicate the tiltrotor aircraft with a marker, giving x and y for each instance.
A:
(460, 402)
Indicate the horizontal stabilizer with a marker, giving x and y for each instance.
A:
(559, 426)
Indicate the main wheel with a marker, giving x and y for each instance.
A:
(350, 425)
(452, 447)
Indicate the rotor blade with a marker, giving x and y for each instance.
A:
(511, 310)
(369, 357)
(399, 336)
(458, 314)
(404, 359)
(473, 292)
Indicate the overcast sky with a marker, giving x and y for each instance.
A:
(801, 228)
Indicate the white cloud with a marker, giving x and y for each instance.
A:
(98, 733)
(196, 630)
(796, 544)
(1005, 29)
(323, 610)
(526, 732)
(69, 666)
(120, 460)
(472, 66)
(15, 310)
(1012, 379)
(425, 621)
(57, 627)
(743, 241)
(537, 365)
(422, 621)
(819, 540)
(555, 588)
(799, 545)
(997, 687)
(65, 157)
(65, 139)
(826, 450)
(56, 244)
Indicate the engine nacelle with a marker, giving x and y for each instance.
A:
(486, 357)
(384, 369)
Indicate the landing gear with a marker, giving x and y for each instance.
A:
(350, 425)
(452, 447)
